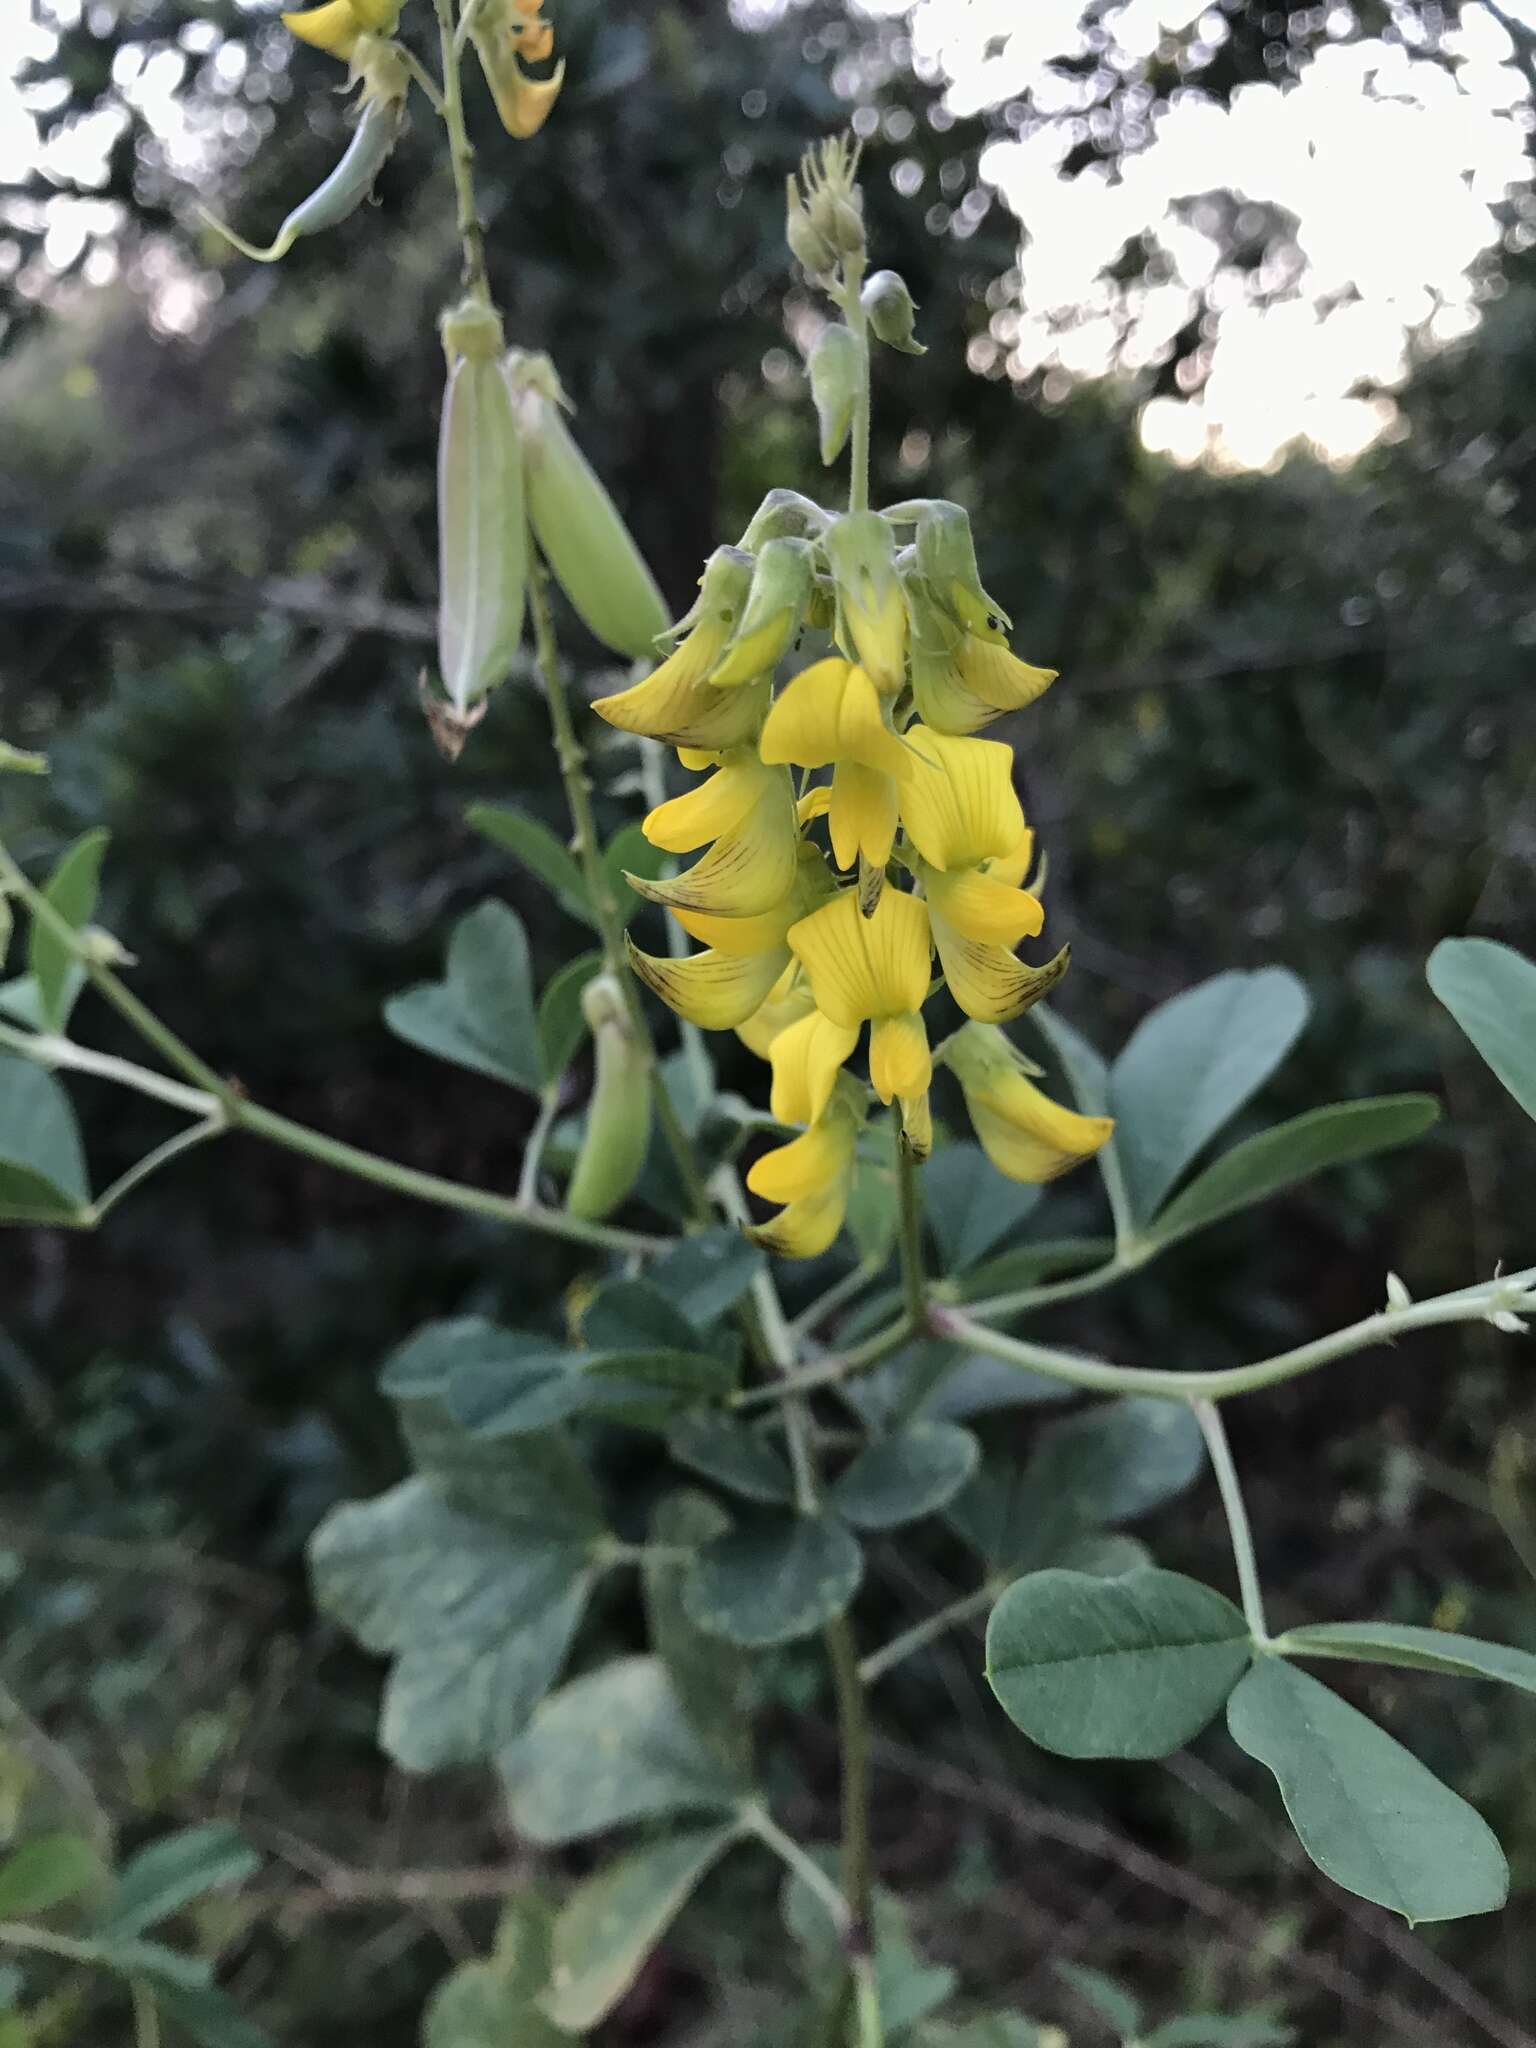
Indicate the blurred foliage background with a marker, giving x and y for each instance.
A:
(1294, 725)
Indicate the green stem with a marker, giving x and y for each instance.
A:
(858, 433)
(867, 2003)
(423, 78)
(922, 1633)
(996, 1307)
(55, 1053)
(789, 1852)
(830, 1372)
(1214, 1430)
(837, 1296)
(213, 1126)
(914, 1281)
(146, 2016)
(533, 1151)
(461, 156)
(853, 1741)
(578, 792)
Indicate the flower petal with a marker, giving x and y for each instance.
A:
(716, 991)
(715, 807)
(987, 981)
(831, 712)
(981, 907)
(862, 815)
(786, 1003)
(862, 967)
(960, 806)
(806, 1165)
(990, 668)
(807, 1056)
(900, 1062)
(749, 870)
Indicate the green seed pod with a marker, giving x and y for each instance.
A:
(837, 375)
(619, 1112)
(481, 524)
(344, 191)
(888, 304)
(576, 523)
(774, 614)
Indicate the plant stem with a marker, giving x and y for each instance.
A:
(922, 1633)
(829, 1372)
(837, 1296)
(213, 1126)
(913, 1279)
(853, 1741)
(578, 793)
(793, 1857)
(867, 1999)
(146, 2016)
(1214, 1430)
(533, 1151)
(996, 1307)
(858, 433)
(53, 1053)
(461, 156)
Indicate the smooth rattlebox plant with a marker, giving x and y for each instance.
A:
(846, 878)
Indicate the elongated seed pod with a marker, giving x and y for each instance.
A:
(343, 191)
(576, 523)
(619, 1112)
(481, 521)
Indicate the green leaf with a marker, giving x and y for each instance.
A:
(166, 1969)
(174, 1871)
(1414, 1649)
(479, 1612)
(1115, 1461)
(475, 2007)
(970, 1206)
(525, 1394)
(539, 851)
(1215, 2030)
(610, 1924)
(992, 2030)
(1369, 1815)
(712, 1679)
(1088, 1077)
(1291, 1152)
(708, 1273)
(1126, 1667)
(733, 1455)
(481, 1016)
(1491, 992)
(773, 1578)
(561, 1025)
(210, 2017)
(72, 890)
(612, 1747)
(1103, 1996)
(42, 1165)
(634, 1315)
(1190, 1066)
(902, 1477)
(630, 851)
(1027, 1265)
(46, 1871)
(979, 1384)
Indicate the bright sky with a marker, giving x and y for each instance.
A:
(1390, 166)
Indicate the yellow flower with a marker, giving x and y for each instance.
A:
(677, 703)
(748, 810)
(1023, 1132)
(775, 610)
(958, 802)
(964, 674)
(830, 715)
(340, 25)
(979, 914)
(813, 1177)
(505, 33)
(723, 987)
(871, 606)
(873, 969)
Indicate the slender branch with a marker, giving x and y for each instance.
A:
(146, 2016)
(578, 791)
(761, 1823)
(996, 1307)
(914, 1282)
(533, 1151)
(424, 79)
(829, 1372)
(461, 156)
(213, 1126)
(847, 297)
(1214, 1430)
(867, 2003)
(853, 1743)
(54, 1053)
(837, 1296)
(922, 1633)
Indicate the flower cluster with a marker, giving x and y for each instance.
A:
(507, 35)
(928, 846)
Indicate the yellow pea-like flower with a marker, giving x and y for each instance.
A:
(752, 865)
(1023, 1132)
(831, 715)
(717, 991)
(871, 604)
(806, 1057)
(964, 675)
(959, 805)
(812, 1176)
(775, 611)
(677, 703)
(873, 970)
(339, 25)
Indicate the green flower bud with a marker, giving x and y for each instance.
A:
(872, 611)
(576, 523)
(481, 524)
(784, 513)
(837, 370)
(807, 245)
(889, 306)
(946, 561)
(774, 614)
(618, 1129)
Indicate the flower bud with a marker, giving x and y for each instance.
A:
(888, 304)
(946, 561)
(774, 613)
(481, 523)
(838, 370)
(806, 244)
(872, 610)
(503, 36)
(576, 523)
(618, 1129)
(784, 514)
